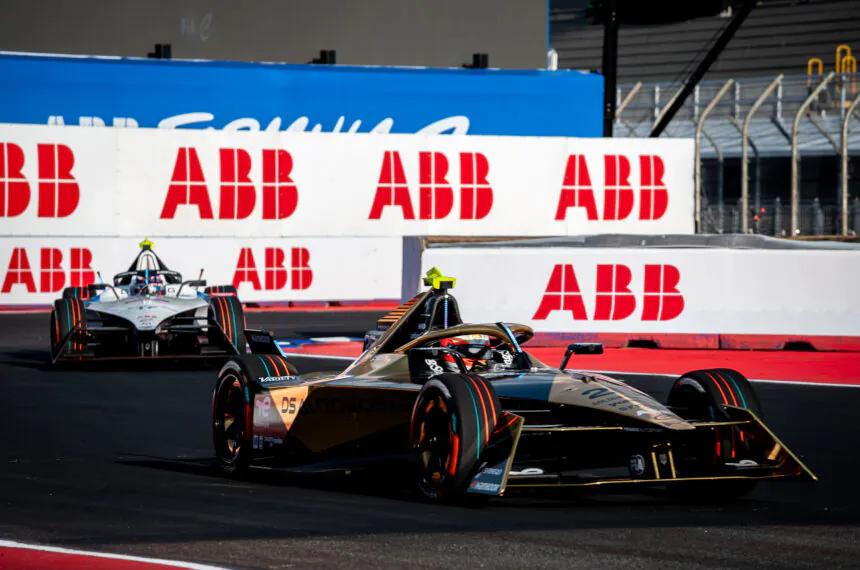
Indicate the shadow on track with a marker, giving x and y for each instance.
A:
(41, 360)
(567, 508)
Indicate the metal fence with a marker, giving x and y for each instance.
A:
(753, 120)
(773, 218)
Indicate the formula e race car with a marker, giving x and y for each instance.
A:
(465, 411)
(148, 311)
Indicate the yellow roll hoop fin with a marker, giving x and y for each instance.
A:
(435, 279)
(146, 244)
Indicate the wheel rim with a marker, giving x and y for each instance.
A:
(434, 442)
(229, 420)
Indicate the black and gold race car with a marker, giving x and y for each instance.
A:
(466, 411)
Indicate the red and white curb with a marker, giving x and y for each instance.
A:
(20, 556)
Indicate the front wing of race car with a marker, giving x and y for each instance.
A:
(532, 457)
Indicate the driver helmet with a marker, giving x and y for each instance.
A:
(155, 286)
(138, 285)
(465, 344)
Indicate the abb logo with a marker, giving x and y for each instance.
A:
(435, 193)
(275, 271)
(237, 193)
(59, 193)
(662, 301)
(618, 196)
(52, 274)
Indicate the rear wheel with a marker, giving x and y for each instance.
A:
(231, 416)
(68, 327)
(452, 420)
(703, 395)
(232, 407)
(227, 324)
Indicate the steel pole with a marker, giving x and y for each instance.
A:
(745, 188)
(719, 45)
(610, 65)
(720, 163)
(698, 150)
(844, 149)
(795, 154)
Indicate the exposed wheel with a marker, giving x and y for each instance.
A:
(227, 324)
(68, 315)
(452, 420)
(82, 293)
(217, 290)
(231, 419)
(232, 407)
(702, 395)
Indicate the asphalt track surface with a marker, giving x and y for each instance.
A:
(119, 459)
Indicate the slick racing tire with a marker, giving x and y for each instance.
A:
(221, 290)
(452, 420)
(227, 324)
(232, 407)
(702, 395)
(67, 315)
(82, 293)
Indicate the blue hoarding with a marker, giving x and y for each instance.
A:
(204, 94)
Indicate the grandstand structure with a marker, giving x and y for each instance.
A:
(788, 81)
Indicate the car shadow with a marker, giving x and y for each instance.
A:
(581, 508)
(41, 360)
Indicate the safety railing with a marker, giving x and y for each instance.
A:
(756, 119)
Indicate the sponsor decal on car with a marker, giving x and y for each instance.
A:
(270, 379)
(637, 465)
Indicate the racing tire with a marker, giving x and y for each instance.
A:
(82, 293)
(221, 291)
(452, 420)
(232, 407)
(702, 395)
(67, 315)
(227, 324)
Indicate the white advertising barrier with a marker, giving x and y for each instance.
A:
(687, 291)
(34, 271)
(91, 181)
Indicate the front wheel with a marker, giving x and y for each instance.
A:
(703, 395)
(68, 327)
(452, 420)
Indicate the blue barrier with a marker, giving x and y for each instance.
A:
(210, 94)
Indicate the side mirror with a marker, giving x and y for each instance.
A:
(580, 348)
(198, 283)
(93, 287)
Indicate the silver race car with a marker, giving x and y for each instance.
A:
(148, 311)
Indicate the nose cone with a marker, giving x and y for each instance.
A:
(591, 391)
(605, 393)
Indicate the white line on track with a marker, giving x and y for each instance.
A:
(619, 372)
(154, 561)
